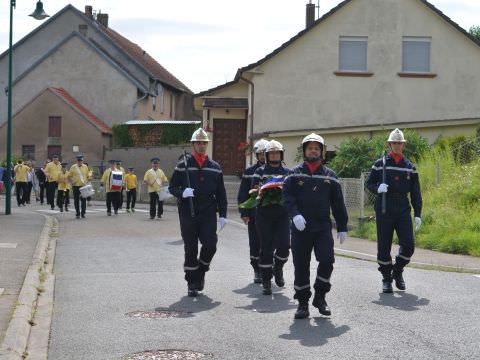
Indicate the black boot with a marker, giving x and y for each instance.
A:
(267, 287)
(201, 282)
(398, 277)
(387, 286)
(278, 274)
(257, 279)
(192, 290)
(320, 303)
(302, 311)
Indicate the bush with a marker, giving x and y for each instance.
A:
(121, 136)
(356, 155)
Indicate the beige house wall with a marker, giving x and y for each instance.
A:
(70, 67)
(30, 127)
(298, 88)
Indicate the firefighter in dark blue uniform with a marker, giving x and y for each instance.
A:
(207, 192)
(309, 193)
(272, 221)
(401, 178)
(248, 215)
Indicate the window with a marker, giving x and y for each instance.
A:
(28, 152)
(353, 53)
(54, 126)
(416, 54)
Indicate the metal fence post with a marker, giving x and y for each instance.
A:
(362, 195)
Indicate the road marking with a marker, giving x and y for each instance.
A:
(477, 276)
(8, 245)
(1, 291)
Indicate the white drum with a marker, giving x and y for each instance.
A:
(87, 191)
(163, 193)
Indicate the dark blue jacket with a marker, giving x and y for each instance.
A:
(245, 186)
(208, 185)
(401, 180)
(313, 195)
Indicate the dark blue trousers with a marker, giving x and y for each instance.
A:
(254, 243)
(302, 244)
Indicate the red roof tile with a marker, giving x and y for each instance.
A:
(141, 56)
(104, 128)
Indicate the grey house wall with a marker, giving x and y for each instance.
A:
(87, 76)
(139, 158)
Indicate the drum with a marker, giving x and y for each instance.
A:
(116, 181)
(86, 191)
(163, 193)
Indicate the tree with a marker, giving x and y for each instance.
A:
(475, 32)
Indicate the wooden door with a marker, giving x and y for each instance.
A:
(227, 135)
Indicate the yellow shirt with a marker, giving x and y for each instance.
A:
(52, 171)
(154, 179)
(106, 179)
(21, 171)
(74, 174)
(63, 183)
(131, 181)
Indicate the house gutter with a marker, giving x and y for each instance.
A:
(134, 107)
(252, 96)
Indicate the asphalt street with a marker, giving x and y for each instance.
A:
(109, 267)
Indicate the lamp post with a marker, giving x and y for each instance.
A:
(38, 14)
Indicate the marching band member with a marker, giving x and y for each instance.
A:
(155, 178)
(131, 186)
(197, 183)
(52, 170)
(112, 180)
(63, 189)
(309, 193)
(79, 175)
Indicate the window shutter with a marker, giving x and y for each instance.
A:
(416, 55)
(353, 54)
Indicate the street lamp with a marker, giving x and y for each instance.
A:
(38, 14)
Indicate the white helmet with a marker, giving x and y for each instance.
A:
(260, 146)
(199, 135)
(396, 136)
(313, 137)
(273, 145)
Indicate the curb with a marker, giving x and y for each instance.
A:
(14, 346)
(373, 258)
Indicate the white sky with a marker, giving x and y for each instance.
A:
(204, 42)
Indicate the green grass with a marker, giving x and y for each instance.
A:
(451, 206)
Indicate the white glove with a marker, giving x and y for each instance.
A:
(418, 223)
(188, 192)
(342, 236)
(382, 188)
(299, 222)
(222, 222)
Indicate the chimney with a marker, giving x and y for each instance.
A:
(310, 18)
(102, 19)
(89, 11)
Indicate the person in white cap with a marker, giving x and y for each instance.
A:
(310, 193)
(392, 178)
(197, 183)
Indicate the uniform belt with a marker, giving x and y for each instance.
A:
(397, 195)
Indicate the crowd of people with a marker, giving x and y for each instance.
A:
(286, 210)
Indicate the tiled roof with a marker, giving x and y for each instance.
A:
(99, 124)
(145, 60)
(226, 103)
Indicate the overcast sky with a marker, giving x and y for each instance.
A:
(203, 43)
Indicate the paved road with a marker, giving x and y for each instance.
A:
(107, 267)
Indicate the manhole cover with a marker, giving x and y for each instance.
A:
(169, 354)
(158, 314)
